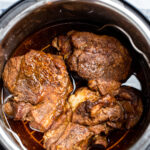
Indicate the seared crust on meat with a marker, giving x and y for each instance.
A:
(100, 59)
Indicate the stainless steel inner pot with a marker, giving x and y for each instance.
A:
(29, 16)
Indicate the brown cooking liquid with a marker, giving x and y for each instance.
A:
(33, 140)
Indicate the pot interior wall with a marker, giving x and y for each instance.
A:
(96, 15)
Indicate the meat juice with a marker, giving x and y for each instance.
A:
(41, 40)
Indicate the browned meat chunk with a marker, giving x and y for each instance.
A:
(18, 110)
(126, 109)
(92, 110)
(40, 80)
(100, 58)
(75, 137)
(57, 129)
(130, 99)
(32, 77)
(43, 114)
(104, 86)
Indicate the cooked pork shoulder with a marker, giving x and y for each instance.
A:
(38, 79)
(92, 110)
(74, 137)
(100, 58)
(126, 109)
(131, 101)
(35, 75)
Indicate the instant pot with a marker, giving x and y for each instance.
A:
(29, 16)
